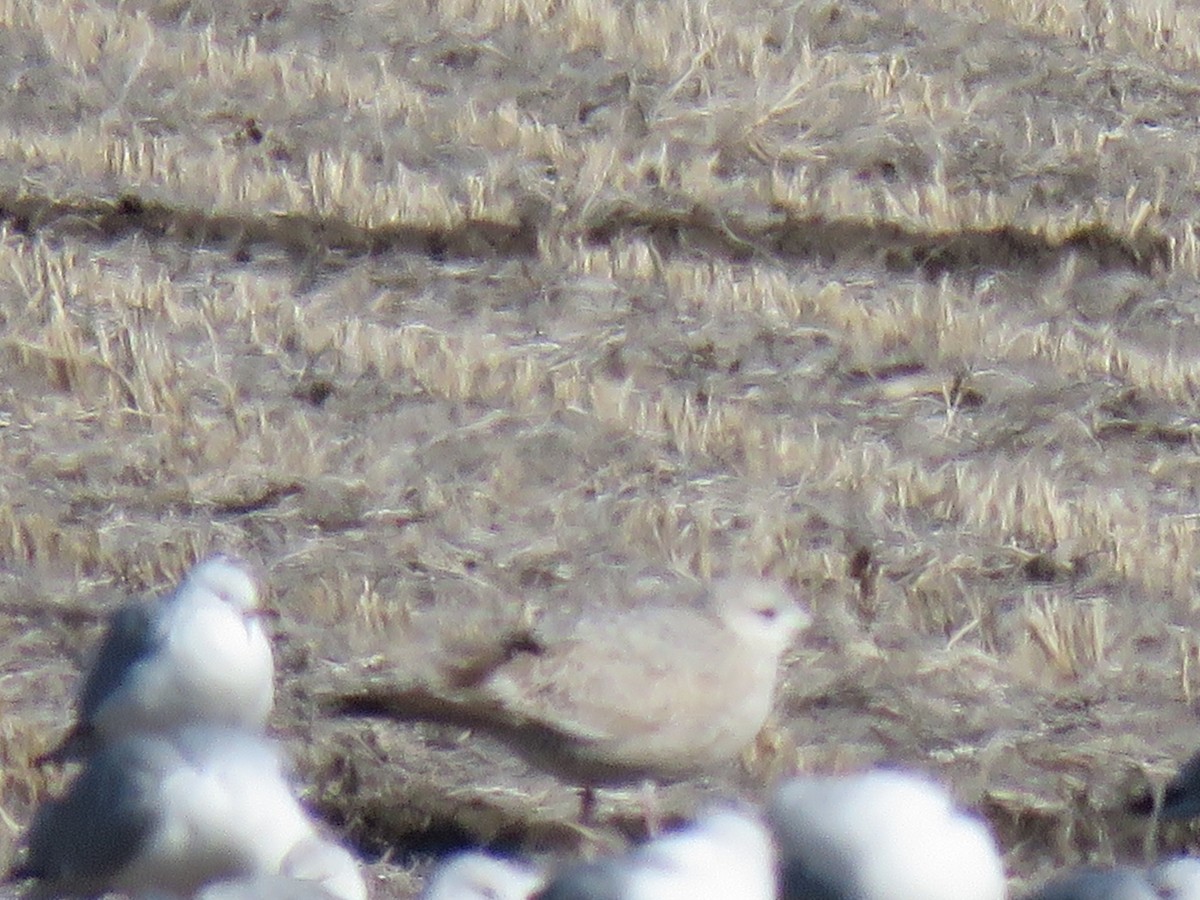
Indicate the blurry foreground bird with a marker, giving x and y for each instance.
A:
(198, 656)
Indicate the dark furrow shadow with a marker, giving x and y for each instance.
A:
(318, 240)
(891, 246)
(300, 235)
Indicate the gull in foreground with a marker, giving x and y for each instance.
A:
(198, 656)
(478, 876)
(724, 854)
(171, 815)
(657, 693)
(881, 835)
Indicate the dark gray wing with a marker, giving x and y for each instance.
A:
(1181, 800)
(134, 633)
(602, 880)
(800, 882)
(78, 843)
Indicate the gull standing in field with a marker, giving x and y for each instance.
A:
(170, 815)
(723, 854)
(478, 876)
(199, 655)
(881, 835)
(656, 693)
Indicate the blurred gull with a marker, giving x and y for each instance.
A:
(478, 876)
(724, 854)
(881, 835)
(171, 815)
(654, 693)
(197, 656)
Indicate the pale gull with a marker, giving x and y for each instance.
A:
(198, 656)
(881, 835)
(169, 815)
(478, 876)
(657, 693)
(723, 854)
(314, 869)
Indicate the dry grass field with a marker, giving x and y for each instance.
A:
(461, 313)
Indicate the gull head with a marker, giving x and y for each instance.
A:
(478, 876)
(739, 835)
(326, 864)
(883, 835)
(724, 853)
(743, 833)
(228, 579)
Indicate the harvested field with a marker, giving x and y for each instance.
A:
(464, 314)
